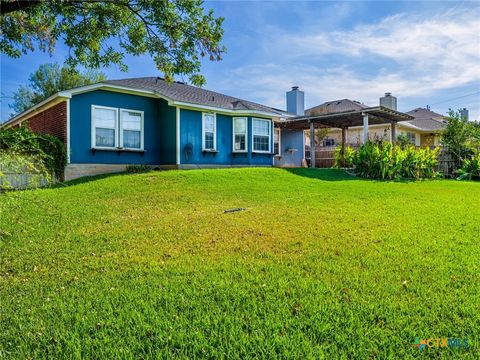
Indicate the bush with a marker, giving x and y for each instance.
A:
(403, 141)
(349, 157)
(138, 168)
(382, 160)
(14, 167)
(416, 163)
(470, 168)
(47, 149)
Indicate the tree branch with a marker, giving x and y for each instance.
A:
(11, 6)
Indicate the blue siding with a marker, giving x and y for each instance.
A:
(159, 134)
(290, 139)
(159, 129)
(191, 133)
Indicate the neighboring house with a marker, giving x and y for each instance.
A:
(109, 125)
(423, 130)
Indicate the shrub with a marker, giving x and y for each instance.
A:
(373, 160)
(138, 168)
(349, 157)
(382, 160)
(417, 163)
(470, 168)
(47, 149)
(22, 171)
(403, 141)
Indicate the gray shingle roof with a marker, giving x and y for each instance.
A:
(335, 106)
(178, 91)
(426, 119)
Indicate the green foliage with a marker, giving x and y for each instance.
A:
(460, 136)
(47, 149)
(403, 141)
(15, 166)
(349, 157)
(320, 134)
(138, 168)
(382, 160)
(176, 34)
(470, 168)
(148, 266)
(49, 79)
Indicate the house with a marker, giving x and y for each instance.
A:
(111, 124)
(115, 123)
(423, 130)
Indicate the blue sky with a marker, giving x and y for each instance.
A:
(422, 52)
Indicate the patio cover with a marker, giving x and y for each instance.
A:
(376, 115)
(344, 120)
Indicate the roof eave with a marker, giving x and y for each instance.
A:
(43, 105)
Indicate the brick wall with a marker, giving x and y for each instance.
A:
(52, 121)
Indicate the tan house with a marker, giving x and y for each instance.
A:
(423, 130)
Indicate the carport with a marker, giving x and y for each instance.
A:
(344, 120)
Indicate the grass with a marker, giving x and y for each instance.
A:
(320, 265)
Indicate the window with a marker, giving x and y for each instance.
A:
(411, 137)
(261, 135)
(131, 127)
(328, 142)
(276, 141)
(239, 134)
(117, 128)
(104, 123)
(209, 129)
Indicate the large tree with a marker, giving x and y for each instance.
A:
(460, 137)
(49, 79)
(176, 34)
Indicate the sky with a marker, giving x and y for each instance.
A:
(424, 53)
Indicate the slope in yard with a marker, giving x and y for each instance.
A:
(320, 264)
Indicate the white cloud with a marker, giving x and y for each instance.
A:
(420, 54)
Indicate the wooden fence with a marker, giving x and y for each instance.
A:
(324, 155)
(447, 165)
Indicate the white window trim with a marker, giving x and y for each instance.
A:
(121, 110)
(269, 137)
(214, 131)
(234, 133)
(93, 127)
(279, 140)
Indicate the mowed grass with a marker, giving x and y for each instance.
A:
(319, 265)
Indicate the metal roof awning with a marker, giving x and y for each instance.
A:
(376, 115)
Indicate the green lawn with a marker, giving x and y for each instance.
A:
(320, 265)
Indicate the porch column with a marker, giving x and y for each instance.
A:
(344, 135)
(393, 129)
(312, 144)
(365, 127)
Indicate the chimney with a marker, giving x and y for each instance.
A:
(389, 101)
(296, 101)
(464, 113)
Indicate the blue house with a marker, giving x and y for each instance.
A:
(112, 124)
